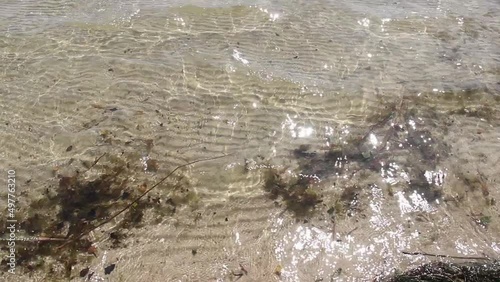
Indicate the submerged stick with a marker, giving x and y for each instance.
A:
(95, 162)
(138, 198)
(442, 256)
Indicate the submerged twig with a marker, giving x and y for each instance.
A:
(350, 232)
(442, 256)
(96, 161)
(70, 240)
(483, 182)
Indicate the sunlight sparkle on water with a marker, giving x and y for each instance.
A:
(272, 16)
(373, 140)
(297, 131)
(364, 22)
(305, 131)
(237, 57)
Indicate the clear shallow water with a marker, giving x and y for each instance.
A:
(258, 80)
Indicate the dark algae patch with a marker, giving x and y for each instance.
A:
(450, 272)
(407, 143)
(401, 138)
(82, 202)
(483, 112)
(298, 195)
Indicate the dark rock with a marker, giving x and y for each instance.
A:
(108, 269)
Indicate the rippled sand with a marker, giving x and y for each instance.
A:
(405, 97)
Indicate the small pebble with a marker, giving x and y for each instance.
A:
(108, 269)
(84, 272)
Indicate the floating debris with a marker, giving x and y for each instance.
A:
(278, 269)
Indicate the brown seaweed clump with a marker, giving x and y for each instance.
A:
(58, 225)
(298, 195)
(450, 272)
(483, 112)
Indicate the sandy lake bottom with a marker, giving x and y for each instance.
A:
(341, 140)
